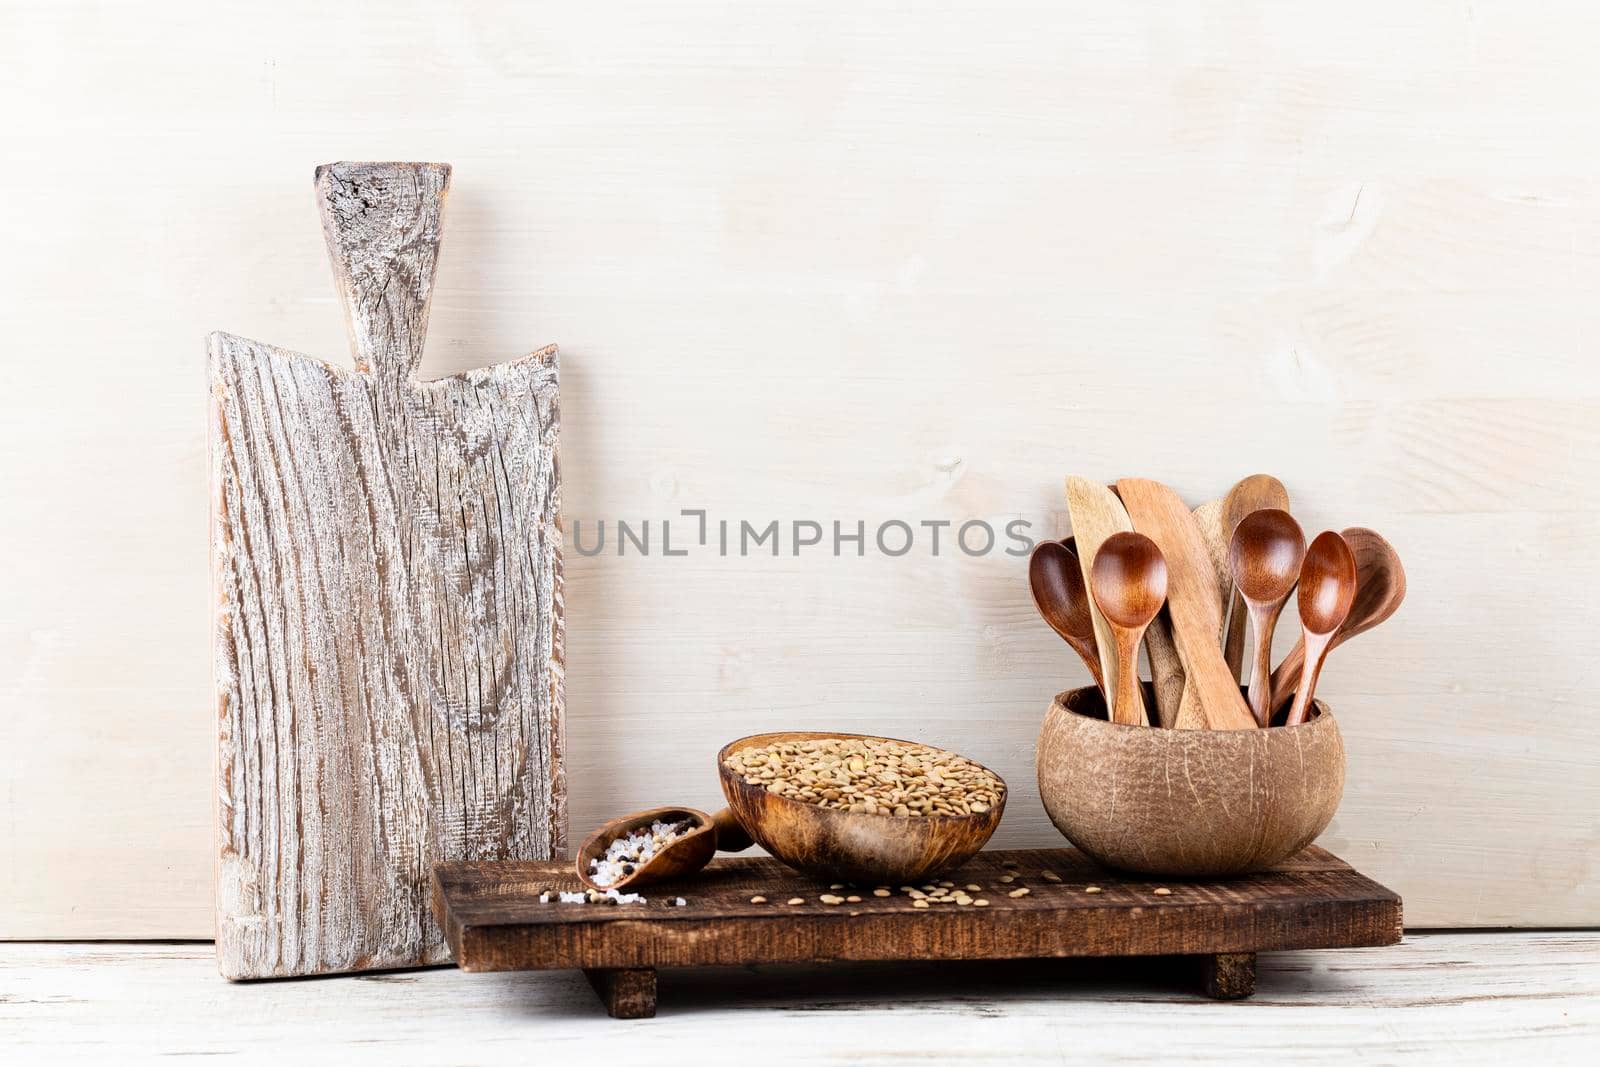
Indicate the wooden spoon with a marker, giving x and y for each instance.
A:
(1157, 512)
(1129, 583)
(1056, 580)
(1096, 515)
(1265, 556)
(709, 835)
(1380, 587)
(1327, 590)
(1252, 494)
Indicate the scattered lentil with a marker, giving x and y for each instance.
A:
(1163, 892)
(980, 903)
(829, 898)
(1092, 889)
(853, 899)
(1018, 892)
(920, 902)
(870, 777)
(797, 900)
(1008, 878)
(1050, 876)
(881, 893)
(974, 888)
(758, 900)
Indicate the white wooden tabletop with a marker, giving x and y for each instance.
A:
(1468, 998)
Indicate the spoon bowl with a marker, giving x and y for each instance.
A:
(1129, 579)
(1129, 585)
(1327, 584)
(1265, 555)
(1056, 580)
(1327, 591)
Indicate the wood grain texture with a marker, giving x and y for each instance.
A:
(389, 617)
(1157, 512)
(1490, 998)
(1096, 514)
(836, 262)
(495, 922)
(830, 843)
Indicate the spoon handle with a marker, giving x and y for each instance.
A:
(1127, 708)
(1316, 652)
(1263, 621)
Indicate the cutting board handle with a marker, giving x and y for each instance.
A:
(381, 221)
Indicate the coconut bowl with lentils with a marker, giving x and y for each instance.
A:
(859, 808)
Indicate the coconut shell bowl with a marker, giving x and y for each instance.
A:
(1187, 803)
(850, 846)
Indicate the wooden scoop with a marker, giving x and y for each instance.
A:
(1327, 589)
(710, 834)
(1129, 583)
(1056, 580)
(1265, 556)
(1380, 587)
(1252, 494)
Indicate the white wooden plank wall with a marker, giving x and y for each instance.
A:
(839, 261)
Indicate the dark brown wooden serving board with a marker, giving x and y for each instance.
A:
(493, 920)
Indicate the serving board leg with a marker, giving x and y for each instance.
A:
(627, 993)
(1228, 975)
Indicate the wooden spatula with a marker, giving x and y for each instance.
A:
(1158, 513)
(1213, 531)
(1096, 515)
(1252, 494)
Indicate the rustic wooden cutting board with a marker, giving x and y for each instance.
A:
(388, 639)
(496, 922)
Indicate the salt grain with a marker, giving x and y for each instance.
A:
(626, 854)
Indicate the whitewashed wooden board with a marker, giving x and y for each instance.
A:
(389, 621)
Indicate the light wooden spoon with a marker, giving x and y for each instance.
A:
(1380, 587)
(1252, 494)
(1056, 580)
(1096, 515)
(1265, 556)
(1129, 583)
(1327, 589)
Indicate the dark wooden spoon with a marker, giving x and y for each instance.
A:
(1265, 554)
(1129, 584)
(1380, 587)
(1327, 590)
(709, 835)
(1056, 579)
(1251, 494)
